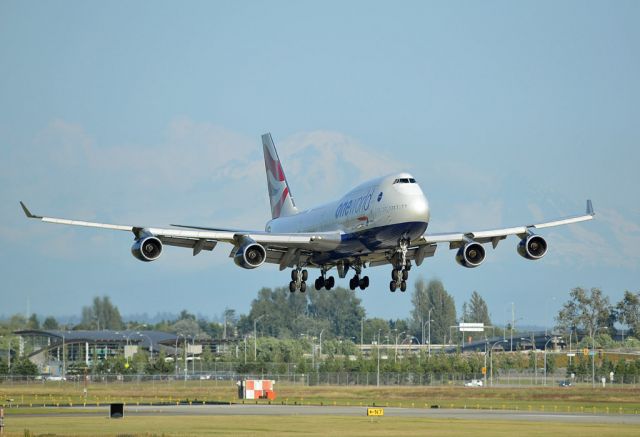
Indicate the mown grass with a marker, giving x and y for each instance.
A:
(573, 399)
(300, 426)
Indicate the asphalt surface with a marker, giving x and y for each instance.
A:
(429, 413)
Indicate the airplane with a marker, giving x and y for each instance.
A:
(380, 222)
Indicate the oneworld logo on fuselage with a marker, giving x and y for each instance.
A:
(355, 206)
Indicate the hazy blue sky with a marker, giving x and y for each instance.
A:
(150, 113)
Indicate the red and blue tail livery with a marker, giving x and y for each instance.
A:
(282, 203)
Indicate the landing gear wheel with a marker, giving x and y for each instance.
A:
(405, 275)
(292, 286)
(294, 275)
(354, 282)
(305, 275)
(364, 283)
(319, 283)
(395, 274)
(303, 287)
(403, 286)
(392, 286)
(329, 282)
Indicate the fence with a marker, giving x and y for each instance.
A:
(223, 377)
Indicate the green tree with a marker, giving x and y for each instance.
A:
(23, 366)
(159, 366)
(476, 311)
(628, 312)
(102, 314)
(4, 370)
(586, 310)
(50, 323)
(433, 297)
(33, 322)
(374, 328)
(342, 308)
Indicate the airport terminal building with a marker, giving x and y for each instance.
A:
(54, 350)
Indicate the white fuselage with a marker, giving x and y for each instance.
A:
(375, 214)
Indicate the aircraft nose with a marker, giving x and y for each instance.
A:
(420, 209)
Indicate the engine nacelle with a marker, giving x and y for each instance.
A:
(147, 248)
(532, 247)
(470, 255)
(250, 254)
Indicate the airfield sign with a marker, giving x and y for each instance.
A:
(471, 327)
(375, 411)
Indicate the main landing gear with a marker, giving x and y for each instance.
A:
(400, 272)
(298, 280)
(324, 282)
(357, 281)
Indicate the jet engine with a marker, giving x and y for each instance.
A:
(250, 254)
(532, 247)
(147, 248)
(470, 255)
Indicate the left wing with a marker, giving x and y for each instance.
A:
(283, 249)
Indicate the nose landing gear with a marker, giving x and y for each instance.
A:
(400, 272)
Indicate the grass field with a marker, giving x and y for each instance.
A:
(301, 425)
(49, 421)
(572, 399)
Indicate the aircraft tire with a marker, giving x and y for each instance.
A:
(305, 275)
(405, 275)
(292, 286)
(319, 283)
(352, 283)
(364, 282)
(392, 286)
(294, 275)
(329, 283)
(395, 274)
(303, 287)
(403, 286)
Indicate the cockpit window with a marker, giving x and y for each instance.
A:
(405, 181)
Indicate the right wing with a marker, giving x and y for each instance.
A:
(283, 249)
(426, 245)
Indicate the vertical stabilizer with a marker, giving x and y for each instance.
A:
(279, 193)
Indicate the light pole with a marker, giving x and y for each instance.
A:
(533, 347)
(491, 358)
(378, 347)
(64, 360)
(429, 350)
(10, 341)
(593, 355)
(255, 337)
(395, 355)
(175, 357)
(545, 360)
(150, 344)
(320, 356)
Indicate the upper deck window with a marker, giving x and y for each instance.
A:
(405, 181)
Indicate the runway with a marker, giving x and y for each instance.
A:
(427, 413)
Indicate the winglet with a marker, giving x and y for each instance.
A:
(590, 208)
(27, 212)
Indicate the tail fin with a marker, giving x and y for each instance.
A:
(279, 193)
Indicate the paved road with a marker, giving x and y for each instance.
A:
(292, 410)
